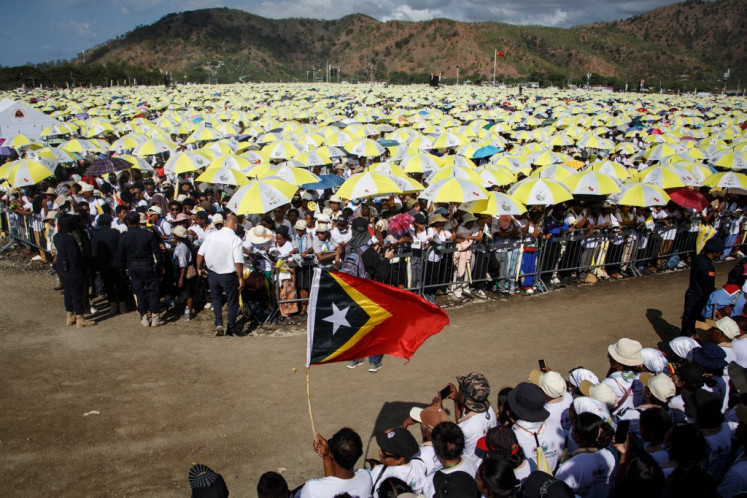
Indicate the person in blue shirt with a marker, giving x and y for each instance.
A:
(728, 300)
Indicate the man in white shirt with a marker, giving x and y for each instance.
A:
(224, 260)
(339, 455)
(398, 449)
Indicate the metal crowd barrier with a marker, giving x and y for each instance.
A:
(18, 229)
(510, 265)
(505, 265)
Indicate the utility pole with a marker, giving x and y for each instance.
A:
(457, 75)
(726, 77)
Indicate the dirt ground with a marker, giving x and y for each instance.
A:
(121, 410)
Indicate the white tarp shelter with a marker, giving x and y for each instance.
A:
(17, 117)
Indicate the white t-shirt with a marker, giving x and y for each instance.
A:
(559, 410)
(590, 475)
(413, 473)
(326, 487)
(222, 250)
(340, 237)
(475, 427)
(438, 237)
(551, 438)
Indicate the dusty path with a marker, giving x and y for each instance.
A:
(172, 396)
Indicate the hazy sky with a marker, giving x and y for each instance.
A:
(41, 30)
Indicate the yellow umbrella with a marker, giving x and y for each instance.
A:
(261, 196)
(152, 147)
(364, 147)
(727, 179)
(641, 195)
(29, 172)
(660, 176)
(454, 190)
(611, 168)
(296, 176)
(20, 141)
(540, 191)
(367, 184)
(184, 162)
(223, 176)
(282, 149)
(419, 163)
(554, 171)
(497, 204)
(230, 161)
(591, 183)
(457, 172)
(496, 175)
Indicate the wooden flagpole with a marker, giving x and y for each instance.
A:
(308, 399)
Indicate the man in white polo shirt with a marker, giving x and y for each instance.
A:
(339, 454)
(224, 259)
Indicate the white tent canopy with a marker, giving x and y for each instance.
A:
(17, 117)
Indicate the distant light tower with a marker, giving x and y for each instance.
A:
(726, 78)
(457, 75)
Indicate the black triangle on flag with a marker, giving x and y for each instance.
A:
(336, 317)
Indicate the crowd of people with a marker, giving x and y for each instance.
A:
(667, 421)
(432, 248)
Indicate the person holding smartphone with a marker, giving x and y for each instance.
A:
(472, 410)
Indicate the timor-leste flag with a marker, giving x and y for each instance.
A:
(498, 53)
(351, 318)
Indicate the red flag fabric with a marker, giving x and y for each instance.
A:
(499, 53)
(352, 318)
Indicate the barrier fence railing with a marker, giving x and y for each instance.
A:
(23, 229)
(503, 265)
(509, 265)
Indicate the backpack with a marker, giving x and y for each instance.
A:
(353, 263)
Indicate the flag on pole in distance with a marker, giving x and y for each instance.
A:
(352, 318)
(498, 53)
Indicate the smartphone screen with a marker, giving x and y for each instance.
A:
(621, 434)
(542, 365)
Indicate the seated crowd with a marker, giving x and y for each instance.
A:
(666, 422)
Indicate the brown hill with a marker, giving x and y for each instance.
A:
(691, 42)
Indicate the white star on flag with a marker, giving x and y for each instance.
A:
(337, 318)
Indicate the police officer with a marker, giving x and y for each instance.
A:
(70, 265)
(104, 245)
(702, 283)
(138, 251)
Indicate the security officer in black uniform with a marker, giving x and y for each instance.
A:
(104, 246)
(138, 251)
(70, 265)
(702, 283)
